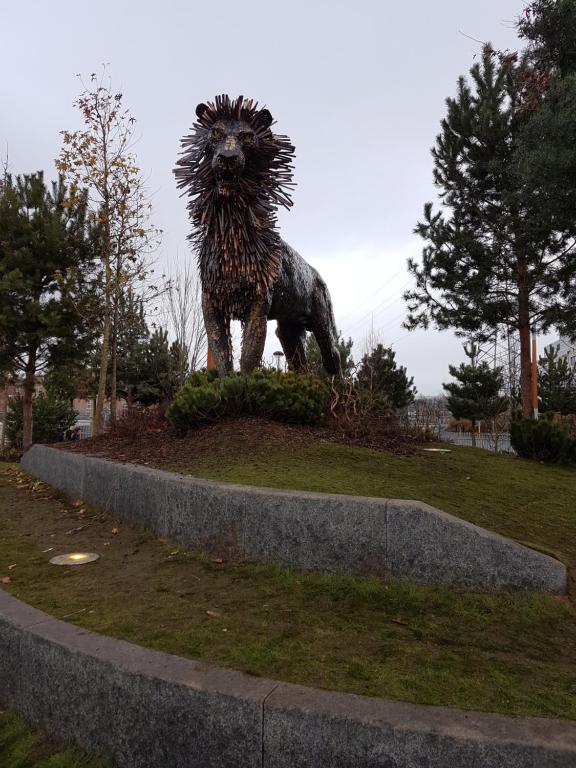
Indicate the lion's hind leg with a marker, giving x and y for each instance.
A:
(292, 335)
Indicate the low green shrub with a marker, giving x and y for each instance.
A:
(51, 417)
(543, 440)
(291, 397)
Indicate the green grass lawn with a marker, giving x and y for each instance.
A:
(531, 502)
(24, 747)
(509, 653)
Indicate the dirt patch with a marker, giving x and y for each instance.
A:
(139, 441)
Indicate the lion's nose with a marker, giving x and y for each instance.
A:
(229, 160)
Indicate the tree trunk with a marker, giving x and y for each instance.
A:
(524, 329)
(4, 414)
(113, 368)
(28, 397)
(525, 372)
(114, 343)
(98, 412)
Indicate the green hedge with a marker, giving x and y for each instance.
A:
(543, 440)
(290, 397)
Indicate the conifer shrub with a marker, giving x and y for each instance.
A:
(290, 397)
(543, 440)
(51, 417)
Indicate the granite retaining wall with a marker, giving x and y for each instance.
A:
(146, 709)
(342, 534)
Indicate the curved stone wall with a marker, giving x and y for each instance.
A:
(147, 709)
(316, 531)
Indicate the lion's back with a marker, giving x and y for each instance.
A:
(293, 291)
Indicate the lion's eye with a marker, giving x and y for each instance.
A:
(247, 138)
(216, 134)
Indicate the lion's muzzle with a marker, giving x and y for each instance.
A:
(227, 163)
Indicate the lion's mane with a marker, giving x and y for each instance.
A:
(235, 237)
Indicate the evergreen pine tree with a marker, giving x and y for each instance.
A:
(379, 372)
(495, 254)
(475, 395)
(46, 252)
(546, 151)
(132, 339)
(160, 371)
(550, 28)
(556, 383)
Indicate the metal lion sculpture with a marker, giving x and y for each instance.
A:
(236, 172)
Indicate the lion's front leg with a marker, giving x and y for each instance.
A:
(253, 338)
(219, 338)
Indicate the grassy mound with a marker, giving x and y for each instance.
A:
(509, 653)
(530, 502)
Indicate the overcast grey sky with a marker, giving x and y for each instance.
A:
(358, 86)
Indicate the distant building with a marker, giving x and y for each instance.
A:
(564, 349)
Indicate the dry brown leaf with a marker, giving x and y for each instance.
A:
(214, 614)
(115, 531)
(5, 580)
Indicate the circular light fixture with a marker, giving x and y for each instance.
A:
(75, 558)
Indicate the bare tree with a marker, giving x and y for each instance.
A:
(99, 159)
(372, 338)
(183, 311)
(430, 413)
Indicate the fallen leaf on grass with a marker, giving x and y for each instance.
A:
(217, 560)
(214, 614)
(73, 613)
(11, 567)
(399, 621)
(76, 530)
(115, 531)
(562, 599)
(5, 580)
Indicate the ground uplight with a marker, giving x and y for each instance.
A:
(75, 558)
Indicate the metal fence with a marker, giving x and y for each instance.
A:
(486, 440)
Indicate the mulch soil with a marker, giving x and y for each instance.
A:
(155, 443)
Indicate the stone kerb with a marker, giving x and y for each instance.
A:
(313, 531)
(147, 709)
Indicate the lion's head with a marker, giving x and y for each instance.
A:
(232, 153)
